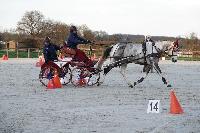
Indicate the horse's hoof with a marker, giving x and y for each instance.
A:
(169, 85)
(131, 86)
(134, 83)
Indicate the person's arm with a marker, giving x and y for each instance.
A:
(81, 40)
(45, 52)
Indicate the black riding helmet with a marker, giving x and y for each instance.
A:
(73, 28)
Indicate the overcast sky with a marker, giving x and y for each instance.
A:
(147, 17)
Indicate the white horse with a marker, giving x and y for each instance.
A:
(123, 53)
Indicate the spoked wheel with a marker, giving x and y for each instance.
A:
(45, 74)
(66, 76)
(79, 76)
(93, 79)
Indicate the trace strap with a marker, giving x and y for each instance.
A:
(123, 60)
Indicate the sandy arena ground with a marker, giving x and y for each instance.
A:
(27, 107)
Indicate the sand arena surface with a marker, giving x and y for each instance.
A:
(26, 106)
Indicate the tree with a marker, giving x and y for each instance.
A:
(192, 42)
(8, 35)
(1, 36)
(58, 31)
(101, 35)
(86, 32)
(31, 23)
(61, 31)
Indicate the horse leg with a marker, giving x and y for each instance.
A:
(147, 68)
(123, 72)
(158, 70)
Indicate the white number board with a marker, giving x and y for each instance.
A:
(153, 106)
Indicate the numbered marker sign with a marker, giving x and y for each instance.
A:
(153, 106)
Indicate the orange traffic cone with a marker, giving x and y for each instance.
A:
(175, 107)
(56, 81)
(94, 58)
(51, 84)
(82, 82)
(4, 57)
(39, 63)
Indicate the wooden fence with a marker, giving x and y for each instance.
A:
(98, 51)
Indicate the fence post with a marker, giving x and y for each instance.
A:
(17, 53)
(38, 53)
(7, 52)
(192, 56)
(28, 52)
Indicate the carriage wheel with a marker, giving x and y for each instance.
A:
(66, 76)
(79, 77)
(46, 74)
(93, 79)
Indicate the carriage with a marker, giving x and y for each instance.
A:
(69, 71)
(119, 54)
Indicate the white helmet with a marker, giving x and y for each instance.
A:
(147, 38)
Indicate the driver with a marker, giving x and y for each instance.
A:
(49, 50)
(50, 54)
(73, 41)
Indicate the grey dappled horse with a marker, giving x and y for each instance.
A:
(123, 53)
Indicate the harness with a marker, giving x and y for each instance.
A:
(121, 61)
(131, 59)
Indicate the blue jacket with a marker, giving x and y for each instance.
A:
(74, 40)
(49, 52)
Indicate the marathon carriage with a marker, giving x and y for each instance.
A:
(69, 71)
(120, 54)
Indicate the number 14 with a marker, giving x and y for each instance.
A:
(153, 106)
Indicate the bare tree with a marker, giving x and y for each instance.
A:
(101, 35)
(31, 23)
(192, 42)
(8, 35)
(86, 32)
(61, 31)
(58, 31)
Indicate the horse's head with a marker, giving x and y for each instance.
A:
(171, 49)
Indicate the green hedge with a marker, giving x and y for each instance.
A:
(189, 58)
(21, 54)
(186, 58)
